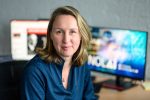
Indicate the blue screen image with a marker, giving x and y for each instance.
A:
(118, 51)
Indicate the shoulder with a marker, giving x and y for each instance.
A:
(35, 73)
(35, 65)
(36, 61)
(84, 69)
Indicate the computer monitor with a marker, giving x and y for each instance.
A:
(119, 52)
(26, 35)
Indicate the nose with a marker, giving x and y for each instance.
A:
(66, 37)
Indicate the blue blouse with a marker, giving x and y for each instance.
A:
(42, 81)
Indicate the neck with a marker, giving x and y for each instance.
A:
(67, 59)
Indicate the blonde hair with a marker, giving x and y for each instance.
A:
(49, 53)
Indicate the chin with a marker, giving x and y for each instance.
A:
(67, 55)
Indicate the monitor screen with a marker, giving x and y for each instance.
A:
(120, 52)
(26, 35)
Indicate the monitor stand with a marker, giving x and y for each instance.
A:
(119, 83)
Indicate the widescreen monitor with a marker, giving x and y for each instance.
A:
(120, 52)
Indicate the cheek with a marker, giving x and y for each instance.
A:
(56, 41)
(77, 41)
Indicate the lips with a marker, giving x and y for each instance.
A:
(65, 47)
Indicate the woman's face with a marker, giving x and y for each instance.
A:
(65, 35)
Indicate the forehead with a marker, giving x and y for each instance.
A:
(65, 21)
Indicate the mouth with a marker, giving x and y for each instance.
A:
(65, 48)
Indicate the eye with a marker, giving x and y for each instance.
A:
(72, 32)
(58, 31)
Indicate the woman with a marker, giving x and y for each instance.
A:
(58, 72)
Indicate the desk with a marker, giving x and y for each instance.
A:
(134, 93)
